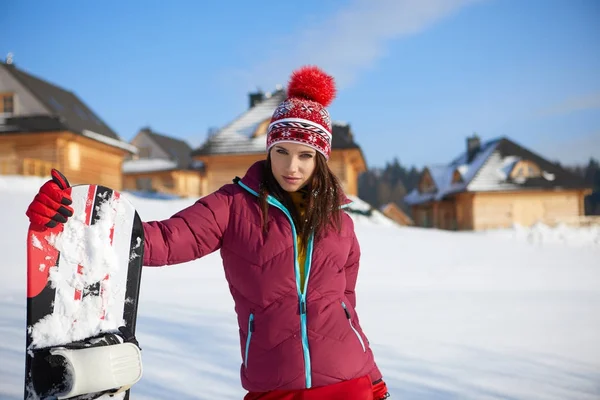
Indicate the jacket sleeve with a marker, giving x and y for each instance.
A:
(191, 233)
(351, 270)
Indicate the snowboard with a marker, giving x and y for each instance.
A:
(83, 280)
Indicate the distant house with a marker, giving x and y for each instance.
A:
(395, 213)
(496, 184)
(231, 150)
(163, 164)
(43, 126)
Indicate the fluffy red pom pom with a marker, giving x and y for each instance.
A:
(312, 83)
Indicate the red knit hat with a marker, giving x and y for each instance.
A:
(302, 117)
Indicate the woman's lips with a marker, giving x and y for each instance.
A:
(291, 180)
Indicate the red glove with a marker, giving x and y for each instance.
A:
(51, 205)
(380, 391)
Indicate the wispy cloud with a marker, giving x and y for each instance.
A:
(350, 41)
(589, 101)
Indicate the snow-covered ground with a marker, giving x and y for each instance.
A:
(512, 314)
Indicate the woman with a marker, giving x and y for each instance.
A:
(290, 256)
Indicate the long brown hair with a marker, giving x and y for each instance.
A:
(322, 199)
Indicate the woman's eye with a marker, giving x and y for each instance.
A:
(280, 151)
(306, 156)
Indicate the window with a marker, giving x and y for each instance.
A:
(456, 177)
(74, 156)
(144, 152)
(525, 169)
(428, 218)
(426, 185)
(81, 113)
(7, 103)
(56, 104)
(168, 182)
(143, 184)
(261, 129)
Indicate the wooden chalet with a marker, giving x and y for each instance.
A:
(43, 126)
(163, 164)
(231, 150)
(496, 184)
(396, 214)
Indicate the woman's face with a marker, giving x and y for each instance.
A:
(292, 165)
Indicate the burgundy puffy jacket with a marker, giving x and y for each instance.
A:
(289, 339)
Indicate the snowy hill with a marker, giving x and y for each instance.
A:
(507, 314)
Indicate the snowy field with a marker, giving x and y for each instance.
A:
(512, 314)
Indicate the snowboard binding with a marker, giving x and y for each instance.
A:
(107, 364)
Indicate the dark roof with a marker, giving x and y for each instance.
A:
(562, 177)
(342, 137)
(178, 150)
(33, 123)
(489, 170)
(73, 113)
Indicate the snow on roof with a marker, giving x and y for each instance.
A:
(110, 141)
(366, 213)
(508, 163)
(442, 175)
(548, 176)
(495, 174)
(237, 136)
(148, 165)
(463, 169)
(247, 123)
(472, 168)
(414, 197)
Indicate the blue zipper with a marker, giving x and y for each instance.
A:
(301, 291)
(250, 330)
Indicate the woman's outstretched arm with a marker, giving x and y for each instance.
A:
(191, 233)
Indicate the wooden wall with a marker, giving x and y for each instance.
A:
(423, 215)
(176, 182)
(84, 160)
(24, 154)
(464, 211)
(445, 216)
(221, 170)
(189, 183)
(347, 165)
(482, 210)
(451, 214)
(494, 210)
(80, 159)
(393, 212)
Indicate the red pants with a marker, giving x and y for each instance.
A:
(355, 389)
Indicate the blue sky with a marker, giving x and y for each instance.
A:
(415, 77)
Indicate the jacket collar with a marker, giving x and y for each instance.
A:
(253, 176)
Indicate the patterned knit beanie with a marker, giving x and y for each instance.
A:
(302, 117)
